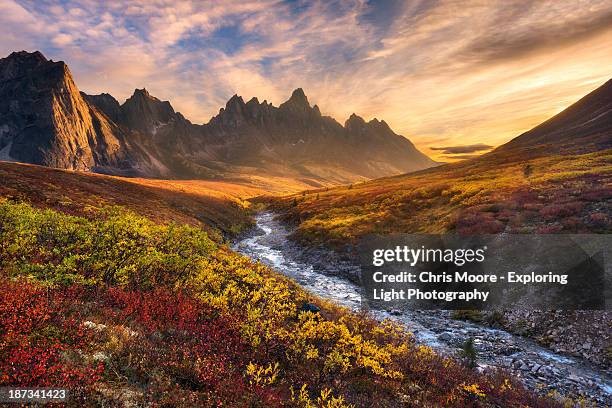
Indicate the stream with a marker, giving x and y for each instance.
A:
(538, 368)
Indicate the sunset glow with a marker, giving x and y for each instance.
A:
(440, 73)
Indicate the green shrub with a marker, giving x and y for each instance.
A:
(118, 247)
(468, 353)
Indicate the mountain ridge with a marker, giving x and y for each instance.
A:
(586, 121)
(145, 136)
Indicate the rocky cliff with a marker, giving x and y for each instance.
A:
(45, 120)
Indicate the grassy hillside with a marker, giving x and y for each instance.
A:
(212, 204)
(520, 191)
(239, 186)
(123, 309)
(214, 209)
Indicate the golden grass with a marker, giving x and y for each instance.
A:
(241, 188)
(79, 193)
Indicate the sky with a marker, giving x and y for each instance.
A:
(455, 77)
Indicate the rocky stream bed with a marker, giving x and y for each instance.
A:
(320, 273)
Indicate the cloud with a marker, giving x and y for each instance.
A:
(463, 149)
(456, 157)
(62, 39)
(443, 73)
(573, 26)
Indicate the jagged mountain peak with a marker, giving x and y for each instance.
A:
(145, 112)
(380, 125)
(35, 57)
(144, 94)
(354, 121)
(298, 95)
(253, 101)
(107, 104)
(101, 96)
(298, 102)
(24, 62)
(141, 93)
(235, 101)
(105, 95)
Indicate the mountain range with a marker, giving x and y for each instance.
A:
(46, 120)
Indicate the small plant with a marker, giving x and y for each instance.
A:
(522, 328)
(473, 389)
(324, 400)
(262, 375)
(468, 353)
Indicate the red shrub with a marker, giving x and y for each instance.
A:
(36, 336)
(473, 223)
(197, 357)
(600, 219)
(549, 229)
(597, 194)
(574, 224)
(555, 211)
(154, 310)
(181, 351)
(532, 206)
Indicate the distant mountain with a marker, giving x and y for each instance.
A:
(585, 125)
(297, 135)
(44, 119)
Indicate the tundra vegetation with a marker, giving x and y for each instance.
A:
(521, 192)
(121, 309)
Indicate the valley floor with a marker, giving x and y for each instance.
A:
(131, 296)
(126, 294)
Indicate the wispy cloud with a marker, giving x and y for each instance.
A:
(479, 147)
(441, 73)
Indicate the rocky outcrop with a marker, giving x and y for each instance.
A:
(581, 333)
(146, 113)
